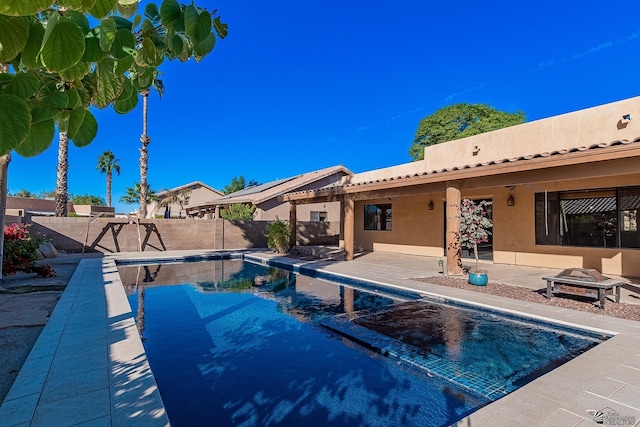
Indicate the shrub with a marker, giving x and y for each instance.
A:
(21, 252)
(279, 237)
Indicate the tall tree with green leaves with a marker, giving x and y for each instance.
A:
(460, 121)
(238, 183)
(108, 164)
(55, 64)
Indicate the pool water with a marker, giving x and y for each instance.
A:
(239, 344)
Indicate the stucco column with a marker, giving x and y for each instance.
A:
(292, 223)
(454, 267)
(216, 212)
(349, 227)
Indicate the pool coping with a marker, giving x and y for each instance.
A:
(90, 356)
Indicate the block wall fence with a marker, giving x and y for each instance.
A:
(110, 235)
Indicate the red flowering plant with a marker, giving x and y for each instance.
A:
(20, 252)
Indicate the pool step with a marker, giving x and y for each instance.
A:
(430, 364)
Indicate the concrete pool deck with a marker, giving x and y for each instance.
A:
(88, 366)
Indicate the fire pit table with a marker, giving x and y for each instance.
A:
(585, 282)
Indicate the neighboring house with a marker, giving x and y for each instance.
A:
(175, 202)
(26, 207)
(565, 192)
(268, 197)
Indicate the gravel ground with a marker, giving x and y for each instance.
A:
(16, 344)
(621, 310)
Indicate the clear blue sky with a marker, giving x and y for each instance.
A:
(303, 85)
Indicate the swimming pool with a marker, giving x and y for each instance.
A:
(235, 343)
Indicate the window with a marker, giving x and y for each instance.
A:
(629, 205)
(602, 218)
(377, 217)
(319, 216)
(588, 219)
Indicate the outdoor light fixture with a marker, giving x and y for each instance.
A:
(430, 205)
(511, 201)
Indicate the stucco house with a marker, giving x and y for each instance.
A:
(267, 198)
(565, 192)
(175, 202)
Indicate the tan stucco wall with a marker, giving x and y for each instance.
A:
(418, 231)
(514, 232)
(89, 210)
(272, 209)
(576, 129)
(415, 229)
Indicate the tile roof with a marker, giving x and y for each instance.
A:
(270, 190)
(185, 186)
(248, 192)
(507, 160)
(350, 187)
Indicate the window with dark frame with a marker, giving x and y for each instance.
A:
(320, 216)
(606, 218)
(377, 217)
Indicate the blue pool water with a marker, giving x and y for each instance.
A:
(235, 343)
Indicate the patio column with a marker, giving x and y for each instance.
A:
(347, 299)
(454, 267)
(216, 212)
(292, 223)
(349, 227)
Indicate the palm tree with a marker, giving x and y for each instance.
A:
(62, 194)
(145, 140)
(133, 195)
(108, 163)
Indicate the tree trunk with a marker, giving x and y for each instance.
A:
(140, 311)
(108, 188)
(144, 154)
(63, 170)
(4, 169)
(475, 253)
